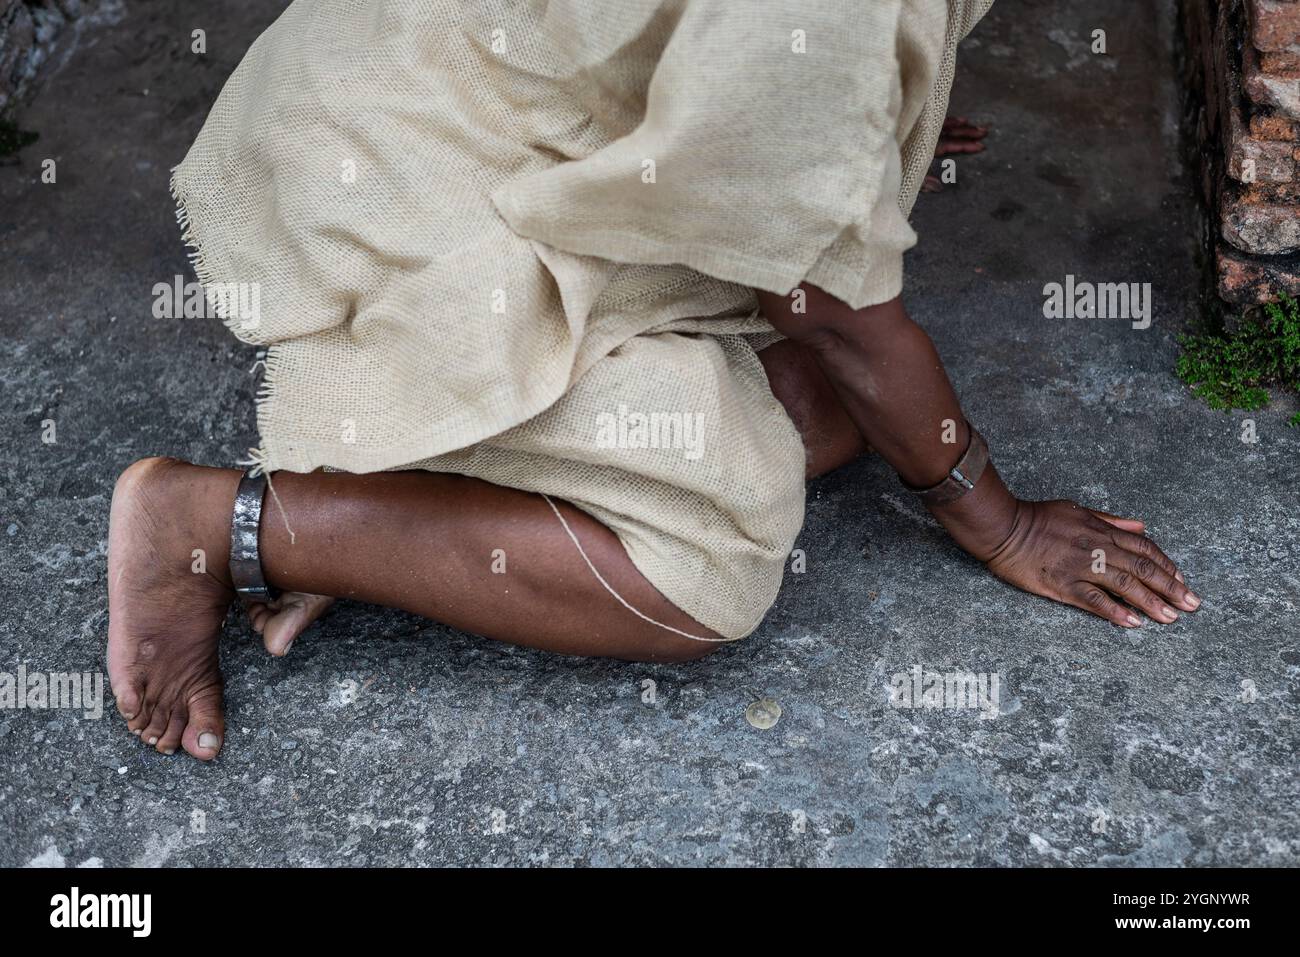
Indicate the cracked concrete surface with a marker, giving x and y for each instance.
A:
(385, 739)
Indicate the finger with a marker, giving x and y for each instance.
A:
(1122, 583)
(1154, 568)
(1128, 524)
(963, 133)
(1091, 598)
(947, 147)
(932, 185)
(1133, 540)
(961, 123)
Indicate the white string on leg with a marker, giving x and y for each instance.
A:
(609, 588)
(257, 459)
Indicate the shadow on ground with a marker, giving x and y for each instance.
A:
(387, 740)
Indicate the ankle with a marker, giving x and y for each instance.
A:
(202, 503)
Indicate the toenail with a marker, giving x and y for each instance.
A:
(208, 740)
(136, 732)
(153, 740)
(169, 751)
(287, 647)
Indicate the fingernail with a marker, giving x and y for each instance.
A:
(1179, 576)
(153, 740)
(208, 740)
(1168, 612)
(287, 647)
(1192, 601)
(1133, 621)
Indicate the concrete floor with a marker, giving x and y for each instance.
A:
(388, 740)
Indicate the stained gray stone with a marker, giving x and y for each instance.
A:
(418, 744)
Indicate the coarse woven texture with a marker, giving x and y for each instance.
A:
(517, 241)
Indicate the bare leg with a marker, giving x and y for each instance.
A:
(419, 541)
(829, 436)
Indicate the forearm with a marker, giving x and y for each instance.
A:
(891, 382)
(890, 379)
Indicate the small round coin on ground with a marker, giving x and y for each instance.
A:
(763, 714)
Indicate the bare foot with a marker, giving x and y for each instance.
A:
(166, 602)
(959, 135)
(281, 622)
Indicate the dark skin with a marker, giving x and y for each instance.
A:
(959, 136)
(420, 541)
(423, 542)
(892, 384)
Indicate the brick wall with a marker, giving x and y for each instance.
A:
(1243, 67)
(28, 29)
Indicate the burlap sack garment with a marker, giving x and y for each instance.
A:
(504, 238)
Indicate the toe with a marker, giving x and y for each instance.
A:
(257, 615)
(282, 628)
(157, 725)
(143, 715)
(129, 697)
(294, 616)
(206, 726)
(171, 738)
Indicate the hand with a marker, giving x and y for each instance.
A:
(959, 135)
(1095, 561)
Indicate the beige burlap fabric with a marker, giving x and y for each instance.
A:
(516, 240)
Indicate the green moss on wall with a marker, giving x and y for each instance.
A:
(1235, 370)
